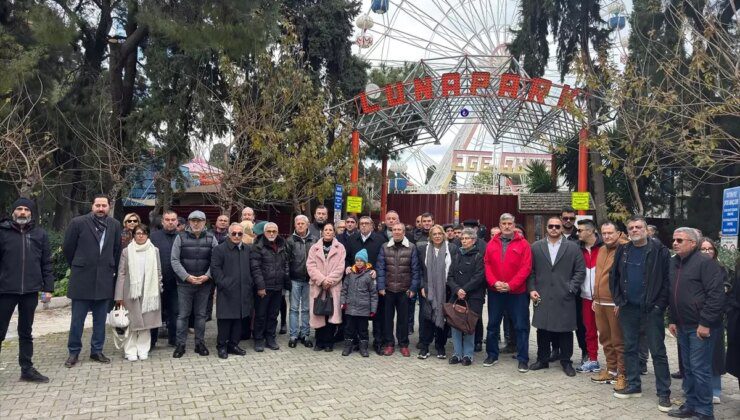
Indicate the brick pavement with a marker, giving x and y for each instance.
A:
(303, 384)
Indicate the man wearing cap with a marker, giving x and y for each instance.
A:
(191, 260)
(25, 270)
(92, 248)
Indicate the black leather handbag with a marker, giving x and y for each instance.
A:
(323, 304)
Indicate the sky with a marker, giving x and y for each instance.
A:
(412, 30)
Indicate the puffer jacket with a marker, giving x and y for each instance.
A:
(359, 292)
(604, 262)
(467, 273)
(25, 259)
(398, 267)
(297, 248)
(270, 265)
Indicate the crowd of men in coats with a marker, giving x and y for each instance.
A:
(606, 286)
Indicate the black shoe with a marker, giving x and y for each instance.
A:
(234, 349)
(292, 343)
(568, 369)
(347, 347)
(272, 344)
(423, 353)
(677, 375)
(378, 347)
(222, 353)
(179, 351)
(363, 349)
(317, 348)
(466, 361)
(643, 369)
(307, 342)
(329, 348)
(628, 393)
(202, 350)
(454, 360)
(283, 329)
(100, 358)
(539, 365)
(664, 404)
(510, 348)
(33, 375)
(259, 346)
(554, 357)
(441, 354)
(490, 361)
(523, 368)
(682, 412)
(72, 360)
(478, 348)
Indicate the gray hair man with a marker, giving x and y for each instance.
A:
(297, 251)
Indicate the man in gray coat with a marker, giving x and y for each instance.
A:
(233, 277)
(92, 247)
(558, 270)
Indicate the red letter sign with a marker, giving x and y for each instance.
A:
(394, 94)
(365, 105)
(567, 95)
(479, 80)
(451, 84)
(509, 85)
(423, 88)
(538, 90)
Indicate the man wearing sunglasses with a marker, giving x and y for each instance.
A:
(639, 285)
(558, 270)
(230, 267)
(697, 299)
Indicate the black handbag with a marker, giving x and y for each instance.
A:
(323, 304)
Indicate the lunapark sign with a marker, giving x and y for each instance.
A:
(475, 84)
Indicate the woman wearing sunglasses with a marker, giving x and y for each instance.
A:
(130, 222)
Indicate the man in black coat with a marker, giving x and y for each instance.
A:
(25, 270)
(270, 271)
(163, 240)
(230, 268)
(639, 282)
(92, 247)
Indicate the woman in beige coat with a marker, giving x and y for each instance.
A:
(138, 289)
(325, 265)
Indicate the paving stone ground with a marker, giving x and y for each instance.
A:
(303, 384)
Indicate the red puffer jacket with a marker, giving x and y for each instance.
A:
(512, 268)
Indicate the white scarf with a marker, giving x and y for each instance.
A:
(143, 280)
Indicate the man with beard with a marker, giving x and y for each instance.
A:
(25, 270)
(163, 240)
(92, 247)
(320, 217)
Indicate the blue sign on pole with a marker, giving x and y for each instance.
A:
(338, 201)
(730, 211)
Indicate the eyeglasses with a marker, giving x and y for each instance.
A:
(678, 240)
(554, 226)
(235, 234)
(568, 218)
(132, 221)
(707, 250)
(271, 231)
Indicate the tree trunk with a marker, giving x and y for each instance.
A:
(635, 192)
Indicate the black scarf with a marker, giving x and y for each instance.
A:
(100, 225)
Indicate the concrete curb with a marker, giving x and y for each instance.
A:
(56, 303)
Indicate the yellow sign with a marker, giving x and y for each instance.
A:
(354, 204)
(580, 200)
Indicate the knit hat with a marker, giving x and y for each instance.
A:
(259, 228)
(25, 202)
(361, 255)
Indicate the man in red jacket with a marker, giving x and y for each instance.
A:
(508, 262)
(590, 244)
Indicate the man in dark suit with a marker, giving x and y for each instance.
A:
(558, 270)
(92, 247)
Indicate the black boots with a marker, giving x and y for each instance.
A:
(363, 348)
(347, 347)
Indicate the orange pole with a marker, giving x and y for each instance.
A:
(384, 187)
(583, 163)
(354, 178)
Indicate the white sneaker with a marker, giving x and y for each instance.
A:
(143, 356)
(132, 358)
(716, 400)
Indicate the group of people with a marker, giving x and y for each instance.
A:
(606, 286)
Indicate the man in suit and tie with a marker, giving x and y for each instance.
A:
(92, 247)
(558, 270)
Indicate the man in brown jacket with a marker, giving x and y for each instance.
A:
(610, 333)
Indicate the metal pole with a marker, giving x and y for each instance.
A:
(354, 178)
(384, 187)
(583, 163)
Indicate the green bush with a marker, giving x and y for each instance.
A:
(58, 263)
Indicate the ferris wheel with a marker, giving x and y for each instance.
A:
(392, 33)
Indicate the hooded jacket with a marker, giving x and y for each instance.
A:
(590, 257)
(25, 259)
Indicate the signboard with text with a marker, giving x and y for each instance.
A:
(580, 200)
(338, 191)
(354, 204)
(730, 217)
(471, 161)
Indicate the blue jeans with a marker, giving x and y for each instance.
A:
(80, 308)
(697, 369)
(462, 344)
(299, 307)
(518, 308)
(631, 317)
